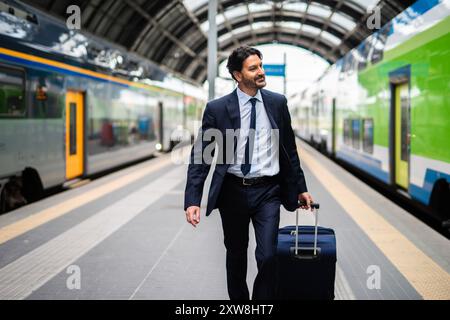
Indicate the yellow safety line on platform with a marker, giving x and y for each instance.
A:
(426, 276)
(24, 225)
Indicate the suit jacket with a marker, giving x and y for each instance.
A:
(222, 114)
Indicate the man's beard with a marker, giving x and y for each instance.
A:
(253, 83)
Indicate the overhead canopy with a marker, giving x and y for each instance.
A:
(173, 33)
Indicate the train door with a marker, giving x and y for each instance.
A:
(333, 128)
(307, 122)
(74, 134)
(402, 135)
(161, 125)
(400, 127)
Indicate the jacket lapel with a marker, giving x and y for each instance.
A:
(233, 110)
(268, 105)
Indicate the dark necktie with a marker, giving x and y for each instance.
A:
(245, 167)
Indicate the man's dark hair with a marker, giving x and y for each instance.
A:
(238, 56)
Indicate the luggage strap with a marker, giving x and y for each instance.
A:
(314, 206)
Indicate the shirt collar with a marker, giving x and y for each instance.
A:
(244, 98)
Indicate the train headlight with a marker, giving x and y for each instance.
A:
(158, 146)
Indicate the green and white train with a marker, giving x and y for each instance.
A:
(384, 107)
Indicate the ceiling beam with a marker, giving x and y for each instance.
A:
(321, 48)
(328, 21)
(201, 77)
(156, 26)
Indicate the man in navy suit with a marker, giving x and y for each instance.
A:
(257, 168)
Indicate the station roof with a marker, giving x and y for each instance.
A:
(173, 33)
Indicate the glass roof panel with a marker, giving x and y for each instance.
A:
(343, 20)
(219, 20)
(205, 26)
(236, 12)
(296, 6)
(194, 4)
(311, 30)
(242, 29)
(367, 3)
(225, 37)
(290, 25)
(262, 25)
(319, 10)
(257, 7)
(330, 38)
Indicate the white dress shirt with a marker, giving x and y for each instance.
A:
(265, 157)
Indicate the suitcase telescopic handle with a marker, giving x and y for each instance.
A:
(314, 206)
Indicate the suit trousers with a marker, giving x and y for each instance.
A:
(238, 205)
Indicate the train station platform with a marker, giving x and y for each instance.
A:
(124, 236)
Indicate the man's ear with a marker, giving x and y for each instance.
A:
(237, 75)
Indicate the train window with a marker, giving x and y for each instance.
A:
(347, 131)
(379, 42)
(368, 135)
(349, 63)
(315, 105)
(362, 54)
(73, 128)
(54, 102)
(321, 103)
(404, 128)
(47, 100)
(345, 63)
(356, 134)
(12, 92)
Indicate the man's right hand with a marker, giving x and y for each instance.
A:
(193, 215)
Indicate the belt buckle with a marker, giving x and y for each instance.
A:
(245, 184)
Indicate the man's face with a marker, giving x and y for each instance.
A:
(252, 73)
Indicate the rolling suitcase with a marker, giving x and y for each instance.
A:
(305, 262)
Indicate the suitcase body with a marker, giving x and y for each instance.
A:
(305, 275)
(305, 262)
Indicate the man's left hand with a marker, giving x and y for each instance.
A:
(305, 200)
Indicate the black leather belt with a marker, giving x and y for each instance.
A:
(252, 181)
